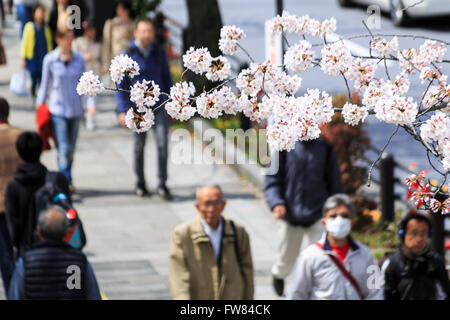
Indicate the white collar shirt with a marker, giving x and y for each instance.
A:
(215, 236)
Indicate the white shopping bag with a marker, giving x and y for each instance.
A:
(18, 84)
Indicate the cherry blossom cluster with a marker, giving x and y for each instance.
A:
(200, 61)
(255, 110)
(354, 114)
(267, 78)
(422, 192)
(383, 47)
(297, 118)
(437, 130)
(299, 57)
(139, 121)
(302, 25)
(122, 66)
(89, 84)
(229, 39)
(361, 72)
(214, 104)
(144, 94)
(180, 107)
(414, 60)
(335, 58)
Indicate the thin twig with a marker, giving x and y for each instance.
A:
(423, 97)
(441, 185)
(285, 39)
(184, 72)
(368, 29)
(386, 68)
(380, 155)
(246, 52)
(348, 88)
(431, 163)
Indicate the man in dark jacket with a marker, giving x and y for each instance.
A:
(153, 65)
(414, 272)
(30, 175)
(52, 269)
(306, 177)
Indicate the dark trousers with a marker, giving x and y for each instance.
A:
(161, 129)
(35, 81)
(2, 12)
(6, 254)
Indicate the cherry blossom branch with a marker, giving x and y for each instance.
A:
(386, 68)
(444, 180)
(246, 52)
(431, 163)
(423, 97)
(398, 36)
(348, 88)
(380, 155)
(285, 39)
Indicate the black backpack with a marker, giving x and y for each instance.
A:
(51, 194)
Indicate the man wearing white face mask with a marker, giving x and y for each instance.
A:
(336, 267)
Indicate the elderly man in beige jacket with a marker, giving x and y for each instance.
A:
(210, 257)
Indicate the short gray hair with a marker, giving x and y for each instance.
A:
(338, 200)
(53, 223)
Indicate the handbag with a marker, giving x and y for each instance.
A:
(18, 84)
(344, 272)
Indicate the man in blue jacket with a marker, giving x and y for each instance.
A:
(296, 193)
(153, 65)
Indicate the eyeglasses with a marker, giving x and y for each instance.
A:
(345, 215)
(415, 234)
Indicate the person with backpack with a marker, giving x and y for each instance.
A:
(29, 177)
(210, 257)
(53, 270)
(414, 271)
(336, 267)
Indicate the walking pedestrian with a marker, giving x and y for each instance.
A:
(46, 271)
(9, 160)
(36, 43)
(61, 72)
(306, 177)
(29, 176)
(336, 267)
(61, 18)
(24, 9)
(414, 271)
(117, 33)
(210, 257)
(153, 65)
(90, 49)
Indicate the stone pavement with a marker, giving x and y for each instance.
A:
(129, 237)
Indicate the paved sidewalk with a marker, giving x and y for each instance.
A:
(128, 237)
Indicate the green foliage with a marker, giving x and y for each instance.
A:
(381, 238)
(350, 144)
(142, 7)
(225, 122)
